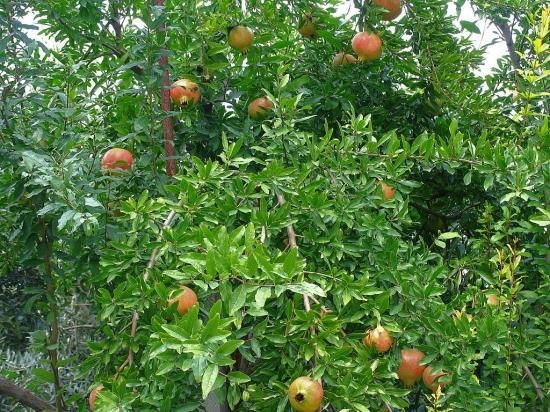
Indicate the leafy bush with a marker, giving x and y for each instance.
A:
(282, 227)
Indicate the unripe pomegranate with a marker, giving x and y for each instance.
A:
(368, 46)
(410, 370)
(93, 396)
(185, 300)
(185, 92)
(305, 394)
(393, 8)
(429, 379)
(378, 338)
(342, 59)
(241, 38)
(307, 27)
(259, 108)
(117, 158)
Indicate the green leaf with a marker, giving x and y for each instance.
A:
(488, 182)
(229, 347)
(306, 288)
(43, 374)
(64, 219)
(238, 299)
(448, 235)
(440, 243)
(262, 294)
(470, 26)
(209, 379)
(238, 377)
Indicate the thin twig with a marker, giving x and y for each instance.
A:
(130, 358)
(293, 245)
(167, 223)
(150, 264)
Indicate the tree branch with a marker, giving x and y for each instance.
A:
(53, 327)
(23, 396)
(135, 317)
(293, 245)
(508, 37)
(534, 382)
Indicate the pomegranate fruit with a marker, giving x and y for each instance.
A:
(342, 59)
(117, 158)
(492, 299)
(184, 92)
(388, 192)
(378, 338)
(410, 370)
(368, 46)
(185, 300)
(307, 27)
(93, 396)
(259, 108)
(305, 394)
(393, 8)
(428, 377)
(241, 38)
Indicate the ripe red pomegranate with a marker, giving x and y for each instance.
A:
(185, 300)
(378, 338)
(393, 8)
(410, 370)
(429, 379)
(93, 396)
(342, 59)
(368, 46)
(117, 158)
(305, 394)
(259, 108)
(241, 38)
(388, 192)
(185, 92)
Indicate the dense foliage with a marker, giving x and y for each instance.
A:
(280, 226)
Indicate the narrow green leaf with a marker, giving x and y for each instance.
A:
(209, 379)
(238, 299)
